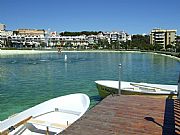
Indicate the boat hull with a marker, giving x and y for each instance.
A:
(56, 114)
(104, 91)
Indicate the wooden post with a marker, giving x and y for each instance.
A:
(178, 94)
(47, 130)
(119, 90)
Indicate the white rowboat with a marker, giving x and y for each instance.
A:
(49, 117)
(107, 87)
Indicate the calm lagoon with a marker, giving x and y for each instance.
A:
(27, 80)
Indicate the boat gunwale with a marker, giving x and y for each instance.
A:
(22, 115)
(140, 91)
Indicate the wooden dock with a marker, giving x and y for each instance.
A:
(130, 114)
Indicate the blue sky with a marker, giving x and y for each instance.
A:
(132, 16)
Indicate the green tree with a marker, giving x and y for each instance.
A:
(115, 44)
(169, 46)
(124, 45)
(140, 41)
(158, 47)
(103, 43)
(177, 46)
(43, 44)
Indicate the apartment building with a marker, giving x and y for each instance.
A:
(92, 39)
(117, 36)
(2, 27)
(28, 37)
(73, 41)
(30, 34)
(163, 37)
(36, 37)
(4, 34)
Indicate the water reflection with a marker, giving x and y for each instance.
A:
(36, 78)
(65, 65)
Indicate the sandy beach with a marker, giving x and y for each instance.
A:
(13, 52)
(16, 52)
(173, 57)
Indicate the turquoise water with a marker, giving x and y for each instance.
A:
(26, 80)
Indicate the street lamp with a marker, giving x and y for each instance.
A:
(119, 91)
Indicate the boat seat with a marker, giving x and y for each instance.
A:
(68, 111)
(150, 87)
(144, 87)
(158, 90)
(48, 124)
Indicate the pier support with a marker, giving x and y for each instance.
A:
(178, 95)
(119, 90)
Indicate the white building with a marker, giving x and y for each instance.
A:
(2, 27)
(4, 35)
(68, 41)
(117, 36)
(92, 39)
(35, 37)
(28, 37)
(163, 37)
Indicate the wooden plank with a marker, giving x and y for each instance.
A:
(49, 124)
(127, 114)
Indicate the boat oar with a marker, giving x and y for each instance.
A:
(8, 130)
(150, 87)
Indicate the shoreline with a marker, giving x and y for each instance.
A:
(18, 52)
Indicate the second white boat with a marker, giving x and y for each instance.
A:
(49, 117)
(107, 87)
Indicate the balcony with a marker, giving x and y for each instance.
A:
(159, 37)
